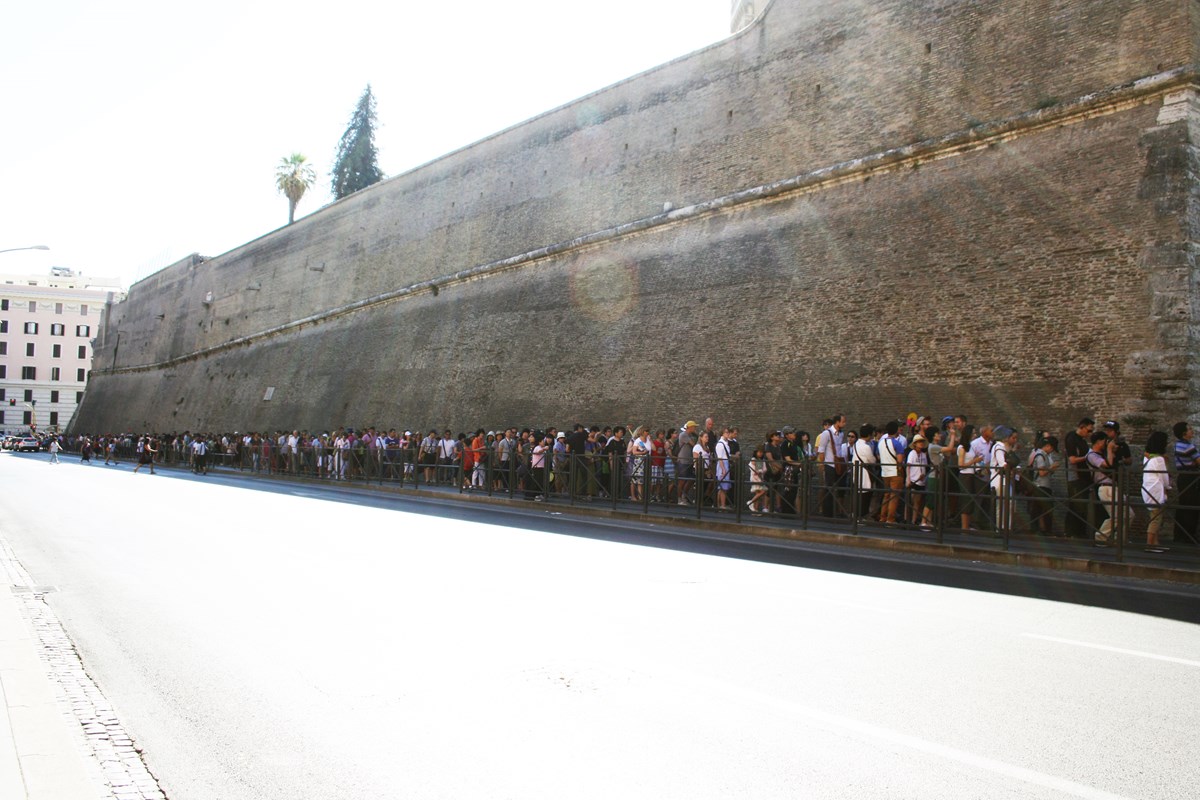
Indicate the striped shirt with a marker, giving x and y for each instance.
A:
(1185, 455)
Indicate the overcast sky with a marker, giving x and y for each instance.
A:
(136, 132)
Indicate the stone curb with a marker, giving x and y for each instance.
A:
(958, 551)
(964, 552)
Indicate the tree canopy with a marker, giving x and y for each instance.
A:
(355, 166)
(293, 176)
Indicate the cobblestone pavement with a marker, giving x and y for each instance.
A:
(115, 761)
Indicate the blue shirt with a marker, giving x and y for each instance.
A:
(1185, 455)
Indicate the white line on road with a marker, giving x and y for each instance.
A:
(1139, 653)
(1061, 785)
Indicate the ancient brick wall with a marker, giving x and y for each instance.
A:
(878, 207)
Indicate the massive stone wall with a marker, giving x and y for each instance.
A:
(872, 206)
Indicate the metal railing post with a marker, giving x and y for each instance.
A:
(1121, 508)
(856, 470)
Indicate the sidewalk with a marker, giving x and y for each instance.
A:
(42, 755)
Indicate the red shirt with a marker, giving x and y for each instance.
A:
(658, 453)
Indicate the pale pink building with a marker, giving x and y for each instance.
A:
(47, 324)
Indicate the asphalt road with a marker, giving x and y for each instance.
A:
(274, 644)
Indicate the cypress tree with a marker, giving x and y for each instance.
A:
(355, 166)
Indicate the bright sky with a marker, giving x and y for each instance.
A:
(136, 132)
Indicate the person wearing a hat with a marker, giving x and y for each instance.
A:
(686, 466)
(1124, 456)
(915, 478)
(561, 463)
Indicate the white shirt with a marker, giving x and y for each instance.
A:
(864, 455)
(1155, 480)
(998, 462)
(917, 467)
(889, 458)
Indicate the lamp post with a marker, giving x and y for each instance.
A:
(33, 247)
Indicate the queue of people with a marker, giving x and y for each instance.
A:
(917, 472)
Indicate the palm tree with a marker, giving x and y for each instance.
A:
(293, 176)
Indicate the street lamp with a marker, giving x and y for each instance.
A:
(34, 247)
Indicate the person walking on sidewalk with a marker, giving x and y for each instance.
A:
(146, 454)
(54, 448)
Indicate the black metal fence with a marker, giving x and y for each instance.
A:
(935, 501)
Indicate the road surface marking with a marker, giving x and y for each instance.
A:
(1012, 771)
(1140, 653)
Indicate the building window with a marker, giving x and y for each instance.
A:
(3, 348)
(55, 373)
(3, 371)
(81, 375)
(29, 395)
(33, 306)
(58, 308)
(31, 327)
(28, 418)
(54, 396)
(29, 373)
(54, 419)
(78, 398)
(56, 351)
(58, 329)
(2, 395)
(3, 326)
(83, 330)
(83, 351)
(1, 417)
(83, 310)
(3, 305)
(29, 348)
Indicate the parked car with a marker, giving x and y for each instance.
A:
(29, 445)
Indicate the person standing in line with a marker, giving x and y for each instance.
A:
(1042, 467)
(758, 482)
(889, 471)
(447, 454)
(1187, 471)
(1155, 485)
(934, 512)
(670, 447)
(1100, 459)
(1079, 483)
(702, 462)
(199, 455)
(1002, 475)
(916, 477)
(562, 464)
(723, 458)
(789, 449)
(864, 463)
(686, 465)
(537, 469)
(639, 454)
(827, 445)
